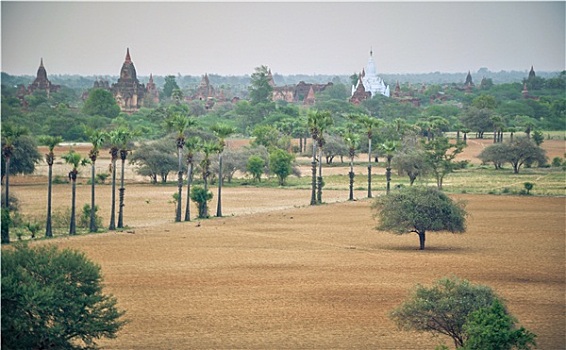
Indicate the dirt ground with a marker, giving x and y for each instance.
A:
(276, 273)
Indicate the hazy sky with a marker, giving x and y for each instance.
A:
(232, 38)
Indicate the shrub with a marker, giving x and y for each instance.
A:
(53, 299)
(201, 197)
(84, 219)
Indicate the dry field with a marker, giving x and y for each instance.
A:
(275, 273)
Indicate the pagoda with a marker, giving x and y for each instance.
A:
(128, 91)
(371, 82)
(41, 82)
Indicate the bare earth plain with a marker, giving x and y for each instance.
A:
(276, 273)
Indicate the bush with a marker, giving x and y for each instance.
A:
(53, 299)
(472, 315)
(84, 219)
(201, 198)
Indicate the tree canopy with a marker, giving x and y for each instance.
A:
(419, 209)
(53, 299)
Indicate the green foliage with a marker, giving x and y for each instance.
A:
(84, 218)
(518, 152)
(255, 167)
(538, 137)
(101, 102)
(280, 163)
(260, 89)
(440, 155)
(24, 156)
(170, 85)
(557, 162)
(155, 159)
(201, 197)
(53, 299)
(528, 187)
(443, 308)
(419, 209)
(493, 328)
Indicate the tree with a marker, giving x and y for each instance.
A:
(62, 305)
(10, 135)
(222, 131)
(101, 102)
(443, 308)
(517, 152)
(170, 85)
(75, 160)
(410, 159)
(280, 163)
(179, 124)
(124, 137)
(419, 209)
(388, 148)
(193, 145)
(260, 89)
(255, 167)
(318, 122)
(155, 159)
(440, 155)
(208, 147)
(369, 124)
(478, 120)
(352, 141)
(493, 328)
(114, 139)
(51, 142)
(96, 138)
(25, 155)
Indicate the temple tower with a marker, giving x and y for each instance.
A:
(128, 91)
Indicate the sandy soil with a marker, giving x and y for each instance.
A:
(276, 273)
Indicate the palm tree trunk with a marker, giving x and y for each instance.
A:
(205, 180)
(122, 190)
(179, 186)
(351, 174)
(6, 234)
(219, 202)
(388, 175)
(92, 223)
(189, 180)
(319, 179)
(369, 168)
(313, 184)
(73, 226)
(48, 228)
(113, 210)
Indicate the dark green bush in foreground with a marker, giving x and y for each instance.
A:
(52, 299)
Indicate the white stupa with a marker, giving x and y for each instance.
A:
(371, 81)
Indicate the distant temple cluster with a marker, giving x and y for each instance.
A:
(130, 94)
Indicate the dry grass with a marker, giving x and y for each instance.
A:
(280, 274)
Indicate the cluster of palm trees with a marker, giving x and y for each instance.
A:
(319, 122)
(181, 125)
(119, 139)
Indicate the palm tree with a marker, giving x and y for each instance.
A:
(51, 142)
(179, 123)
(9, 136)
(207, 148)
(221, 131)
(75, 160)
(318, 123)
(114, 138)
(124, 139)
(389, 148)
(97, 138)
(369, 124)
(352, 141)
(193, 145)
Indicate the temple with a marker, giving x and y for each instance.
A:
(40, 83)
(128, 91)
(369, 83)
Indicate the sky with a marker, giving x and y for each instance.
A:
(233, 38)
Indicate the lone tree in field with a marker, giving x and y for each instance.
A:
(62, 305)
(75, 160)
(472, 315)
(419, 209)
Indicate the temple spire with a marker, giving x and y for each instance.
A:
(41, 62)
(128, 59)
